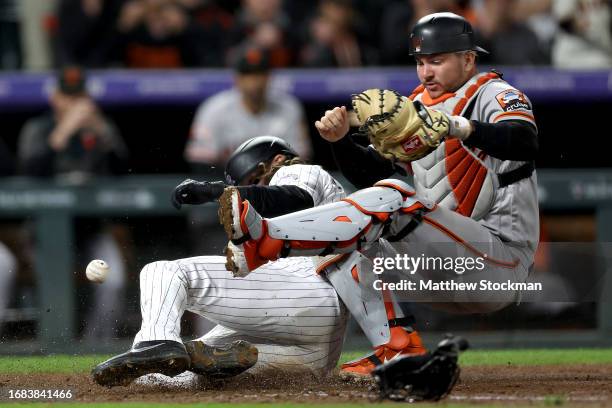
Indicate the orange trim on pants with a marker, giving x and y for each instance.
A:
(457, 238)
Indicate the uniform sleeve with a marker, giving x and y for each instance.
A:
(504, 127)
(507, 140)
(500, 102)
(273, 201)
(293, 188)
(312, 179)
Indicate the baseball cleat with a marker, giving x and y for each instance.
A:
(230, 208)
(221, 361)
(245, 228)
(158, 356)
(402, 343)
(236, 260)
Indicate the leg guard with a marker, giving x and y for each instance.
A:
(336, 228)
(401, 338)
(352, 279)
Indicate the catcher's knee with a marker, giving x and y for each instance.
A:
(405, 189)
(379, 201)
(410, 202)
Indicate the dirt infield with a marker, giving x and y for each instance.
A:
(579, 384)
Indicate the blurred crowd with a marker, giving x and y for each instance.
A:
(297, 33)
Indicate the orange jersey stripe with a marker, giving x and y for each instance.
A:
(522, 114)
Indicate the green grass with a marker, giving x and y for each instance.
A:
(49, 364)
(83, 364)
(525, 357)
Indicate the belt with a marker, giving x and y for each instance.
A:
(510, 177)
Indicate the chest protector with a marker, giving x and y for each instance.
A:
(453, 175)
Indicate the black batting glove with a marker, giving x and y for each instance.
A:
(196, 192)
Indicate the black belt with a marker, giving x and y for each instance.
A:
(510, 177)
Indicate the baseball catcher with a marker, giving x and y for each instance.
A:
(469, 139)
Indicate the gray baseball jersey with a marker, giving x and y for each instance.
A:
(465, 180)
(222, 123)
(474, 216)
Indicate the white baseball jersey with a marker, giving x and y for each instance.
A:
(290, 313)
(322, 187)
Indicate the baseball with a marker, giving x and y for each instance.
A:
(97, 270)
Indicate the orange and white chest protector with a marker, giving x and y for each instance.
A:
(465, 180)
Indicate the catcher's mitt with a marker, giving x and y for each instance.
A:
(399, 128)
(430, 376)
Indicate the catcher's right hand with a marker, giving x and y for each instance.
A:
(196, 192)
(398, 128)
(334, 125)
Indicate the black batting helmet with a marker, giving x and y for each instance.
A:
(442, 32)
(252, 152)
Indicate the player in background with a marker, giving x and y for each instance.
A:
(256, 108)
(290, 314)
(475, 195)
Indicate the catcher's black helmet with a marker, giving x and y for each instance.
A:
(442, 32)
(252, 152)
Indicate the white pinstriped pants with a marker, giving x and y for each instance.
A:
(291, 314)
